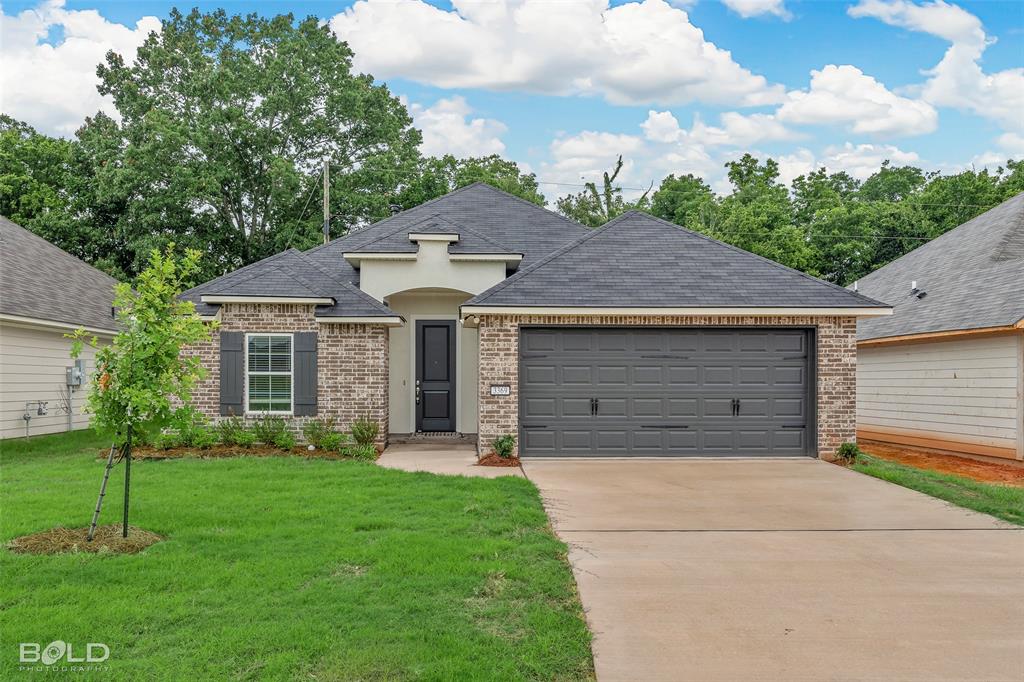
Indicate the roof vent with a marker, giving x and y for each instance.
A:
(855, 286)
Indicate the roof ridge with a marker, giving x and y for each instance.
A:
(432, 216)
(240, 270)
(751, 253)
(935, 240)
(344, 284)
(482, 236)
(527, 202)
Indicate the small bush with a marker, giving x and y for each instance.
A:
(267, 428)
(365, 431)
(363, 451)
(166, 441)
(192, 430)
(504, 445)
(229, 430)
(202, 438)
(285, 440)
(245, 439)
(847, 453)
(315, 431)
(334, 441)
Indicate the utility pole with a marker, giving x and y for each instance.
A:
(327, 200)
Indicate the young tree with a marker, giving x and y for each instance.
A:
(685, 200)
(141, 376)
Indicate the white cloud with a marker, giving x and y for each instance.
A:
(53, 87)
(863, 160)
(638, 52)
(753, 8)
(844, 95)
(958, 80)
(661, 126)
(447, 129)
(740, 130)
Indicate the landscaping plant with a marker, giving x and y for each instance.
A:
(268, 428)
(504, 446)
(363, 451)
(847, 454)
(365, 431)
(284, 440)
(141, 375)
(229, 430)
(334, 441)
(316, 430)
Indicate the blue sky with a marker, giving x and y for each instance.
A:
(675, 87)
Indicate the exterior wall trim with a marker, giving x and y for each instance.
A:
(38, 323)
(434, 237)
(476, 310)
(486, 257)
(355, 256)
(297, 300)
(395, 321)
(949, 334)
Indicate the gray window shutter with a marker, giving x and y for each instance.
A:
(232, 372)
(305, 374)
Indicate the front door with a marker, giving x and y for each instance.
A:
(435, 375)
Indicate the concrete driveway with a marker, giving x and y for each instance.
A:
(784, 570)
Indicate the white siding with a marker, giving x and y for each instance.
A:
(32, 367)
(962, 395)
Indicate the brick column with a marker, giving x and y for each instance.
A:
(499, 365)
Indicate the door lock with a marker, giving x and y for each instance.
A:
(417, 391)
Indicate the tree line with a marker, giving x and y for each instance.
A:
(223, 122)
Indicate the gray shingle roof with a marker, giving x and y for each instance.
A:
(638, 260)
(488, 220)
(41, 281)
(973, 276)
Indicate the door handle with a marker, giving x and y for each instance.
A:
(597, 406)
(417, 391)
(737, 407)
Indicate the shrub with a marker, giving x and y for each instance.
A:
(365, 431)
(363, 451)
(285, 440)
(267, 428)
(192, 429)
(334, 441)
(166, 441)
(245, 439)
(202, 438)
(847, 453)
(229, 430)
(504, 445)
(316, 430)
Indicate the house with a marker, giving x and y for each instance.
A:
(483, 314)
(946, 371)
(46, 293)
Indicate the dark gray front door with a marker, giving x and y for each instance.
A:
(435, 375)
(665, 392)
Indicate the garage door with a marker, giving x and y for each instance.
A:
(665, 392)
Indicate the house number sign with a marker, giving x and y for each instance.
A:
(501, 390)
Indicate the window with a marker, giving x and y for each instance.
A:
(269, 375)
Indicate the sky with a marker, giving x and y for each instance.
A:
(564, 86)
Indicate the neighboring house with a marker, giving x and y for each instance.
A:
(46, 293)
(946, 371)
(481, 313)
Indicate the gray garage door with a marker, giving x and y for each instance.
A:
(670, 392)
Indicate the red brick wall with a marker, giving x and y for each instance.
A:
(352, 361)
(836, 366)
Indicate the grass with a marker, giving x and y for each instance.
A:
(1002, 501)
(284, 568)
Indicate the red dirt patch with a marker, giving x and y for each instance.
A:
(986, 472)
(493, 460)
(71, 540)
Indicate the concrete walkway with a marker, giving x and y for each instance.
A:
(441, 458)
(784, 570)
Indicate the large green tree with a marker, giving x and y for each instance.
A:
(225, 121)
(440, 175)
(595, 206)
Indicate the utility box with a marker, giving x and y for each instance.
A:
(76, 373)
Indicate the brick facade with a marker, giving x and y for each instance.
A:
(836, 366)
(352, 362)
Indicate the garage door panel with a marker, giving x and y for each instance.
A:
(665, 391)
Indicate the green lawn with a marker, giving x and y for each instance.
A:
(1002, 501)
(285, 568)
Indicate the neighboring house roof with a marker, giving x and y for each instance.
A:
(487, 220)
(42, 282)
(973, 278)
(637, 260)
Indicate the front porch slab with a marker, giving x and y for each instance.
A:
(441, 458)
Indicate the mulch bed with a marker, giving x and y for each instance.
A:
(493, 460)
(72, 540)
(222, 451)
(978, 470)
